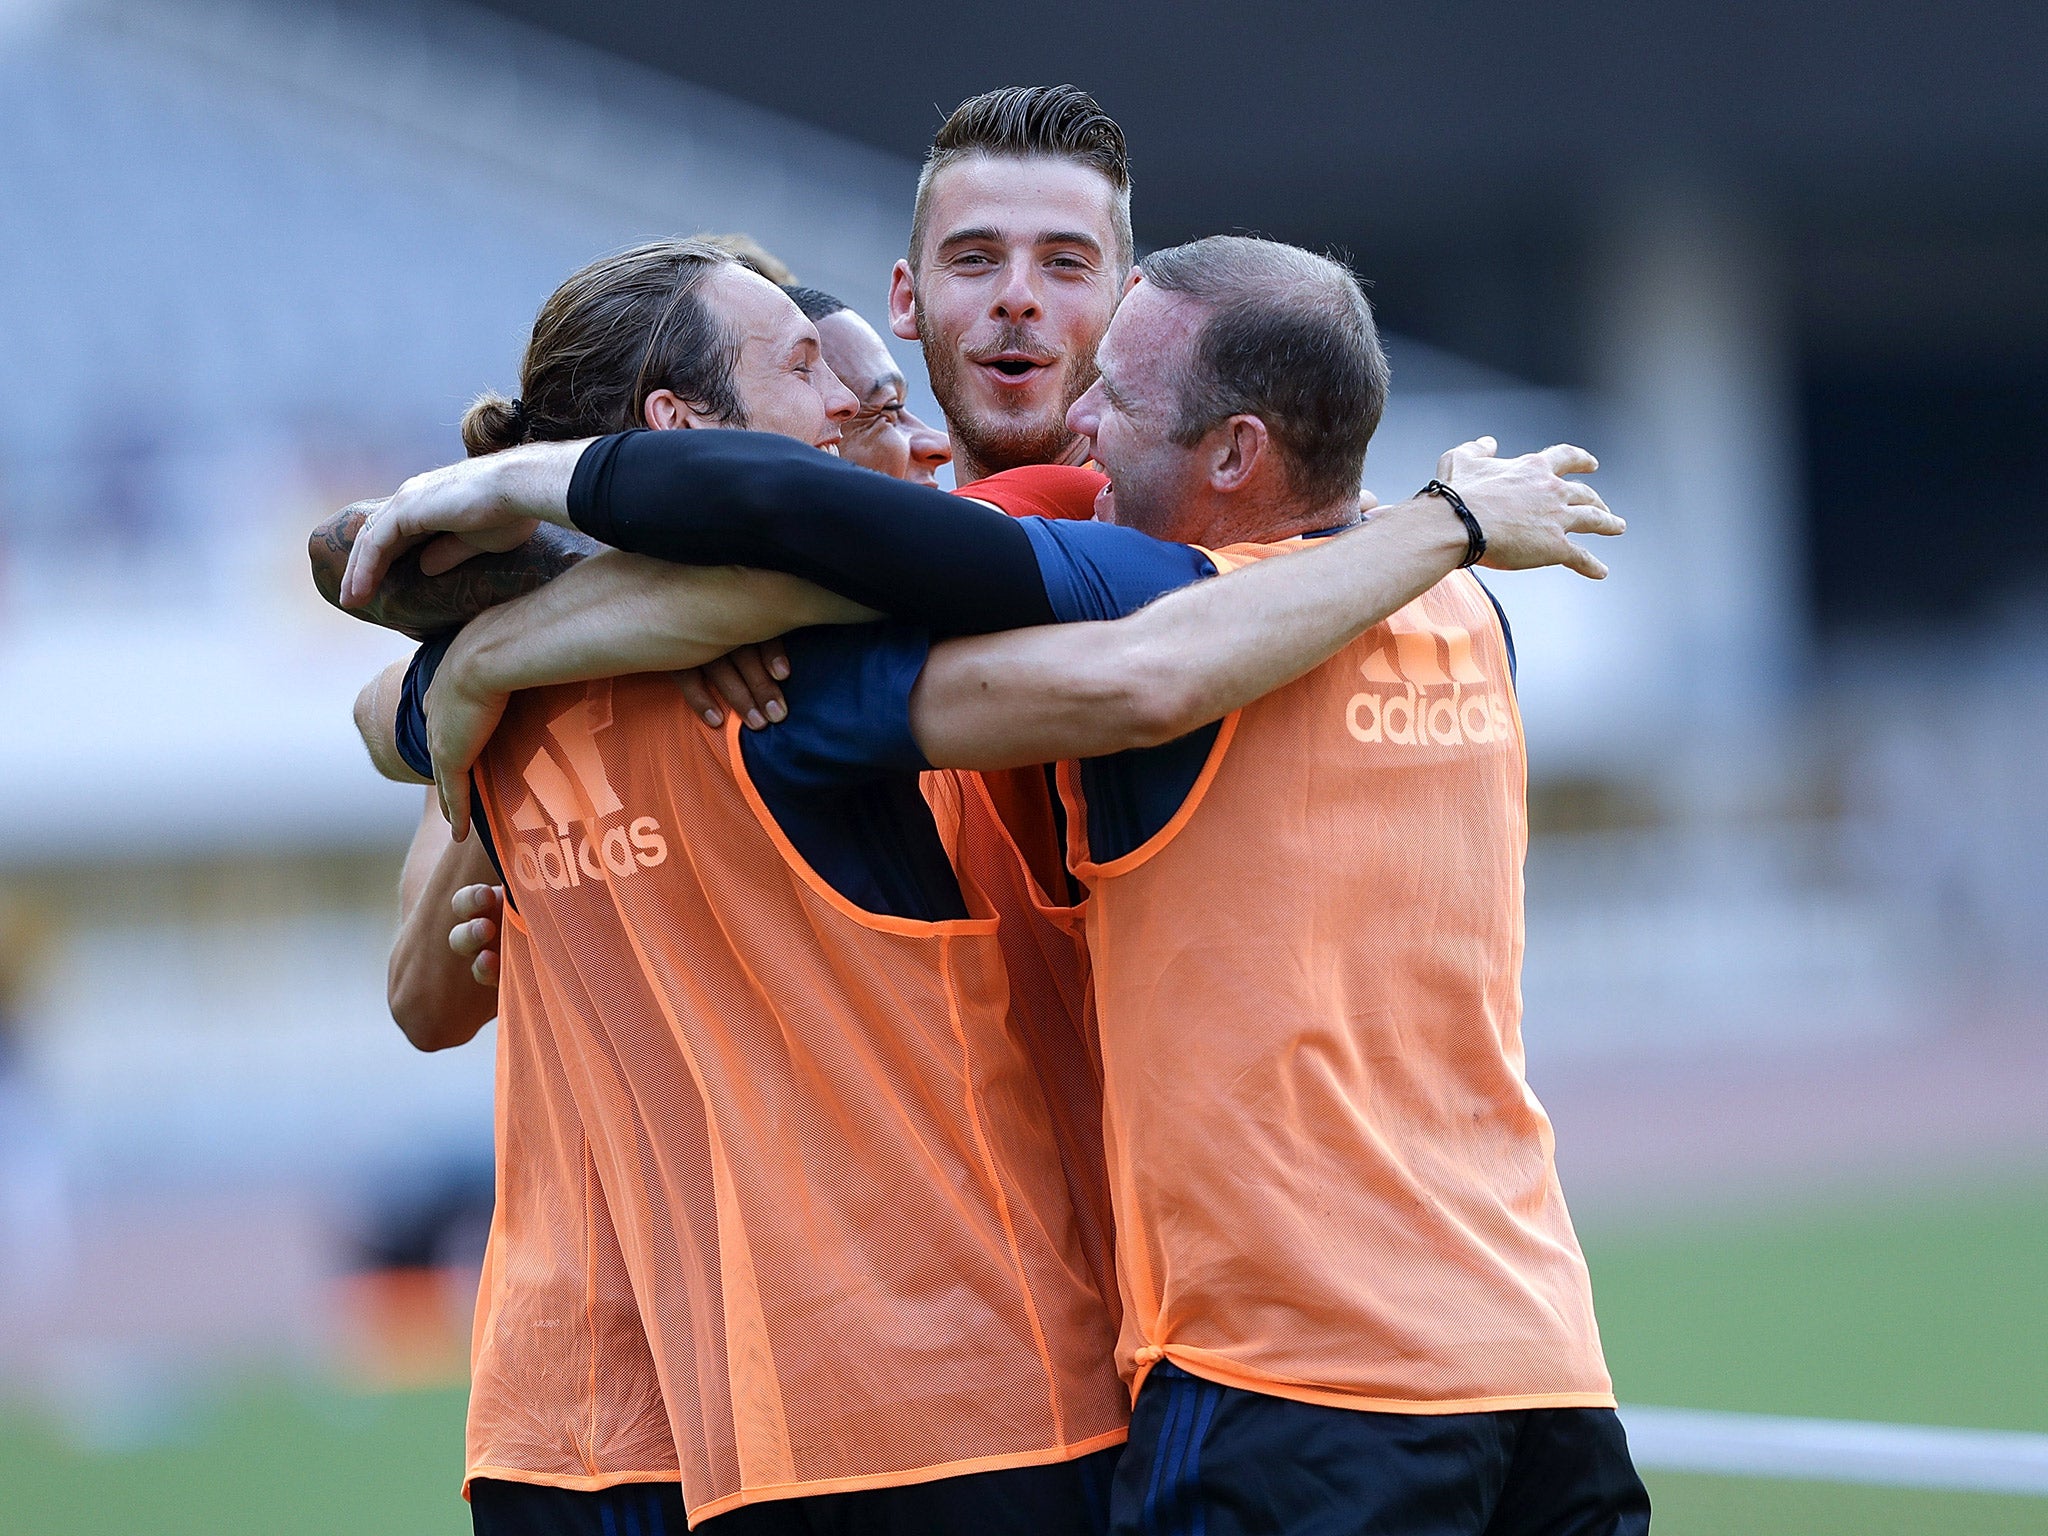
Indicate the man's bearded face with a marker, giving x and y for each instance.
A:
(1019, 276)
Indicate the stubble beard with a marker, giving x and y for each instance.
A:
(992, 442)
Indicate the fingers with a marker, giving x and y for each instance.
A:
(475, 937)
(1579, 494)
(477, 901)
(472, 938)
(1478, 448)
(726, 677)
(1567, 459)
(745, 681)
(382, 539)
(698, 692)
(454, 802)
(725, 682)
(1585, 562)
(753, 670)
(444, 553)
(1589, 519)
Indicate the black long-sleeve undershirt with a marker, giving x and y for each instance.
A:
(756, 499)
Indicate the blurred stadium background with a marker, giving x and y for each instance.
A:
(1780, 266)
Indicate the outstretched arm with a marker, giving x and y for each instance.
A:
(1087, 690)
(726, 498)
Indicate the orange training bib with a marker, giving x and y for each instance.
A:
(1332, 1181)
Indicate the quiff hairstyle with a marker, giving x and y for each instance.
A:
(1288, 337)
(1061, 122)
(615, 332)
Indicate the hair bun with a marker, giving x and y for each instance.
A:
(492, 424)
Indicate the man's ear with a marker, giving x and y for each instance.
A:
(666, 411)
(902, 302)
(1238, 450)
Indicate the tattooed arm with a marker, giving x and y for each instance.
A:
(419, 605)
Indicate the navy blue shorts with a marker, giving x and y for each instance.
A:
(1210, 1460)
(500, 1508)
(1068, 1498)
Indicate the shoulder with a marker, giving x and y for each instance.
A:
(1229, 557)
(1101, 571)
(1059, 491)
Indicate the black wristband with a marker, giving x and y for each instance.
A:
(1475, 536)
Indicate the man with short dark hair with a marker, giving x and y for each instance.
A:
(1351, 1290)
(1288, 339)
(1019, 245)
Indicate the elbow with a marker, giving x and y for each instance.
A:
(426, 1031)
(422, 1015)
(375, 727)
(422, 1028)
(366, 720)
(326, 571)
(328, 546)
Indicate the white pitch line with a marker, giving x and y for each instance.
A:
(1837, 1450)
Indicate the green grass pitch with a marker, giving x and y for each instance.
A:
(1920, 1310)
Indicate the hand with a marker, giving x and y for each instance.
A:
(1526, 507)
(461, 715)
(478, 910)
(492, 502)
(746, 678)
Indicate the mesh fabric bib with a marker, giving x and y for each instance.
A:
(1332, 1182)
(562, 1386)
(831, 1165)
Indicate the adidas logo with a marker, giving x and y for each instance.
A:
(1417, 661)
(566, 785)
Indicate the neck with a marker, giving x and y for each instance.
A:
(967, 468)
(1265, 523)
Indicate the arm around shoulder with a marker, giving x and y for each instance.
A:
(1056, 691)
(1086, 690)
